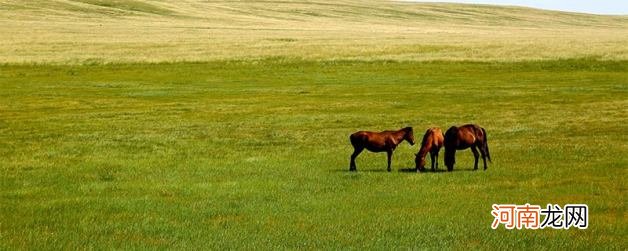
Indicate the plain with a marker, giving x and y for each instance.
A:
(255, 154)
(155, 124)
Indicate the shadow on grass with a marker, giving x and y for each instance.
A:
(413, 170)
(407, 170)
(346, 170)
(400, 170)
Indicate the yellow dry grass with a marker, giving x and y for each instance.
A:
(79, 31)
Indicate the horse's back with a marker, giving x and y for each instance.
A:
(460, 137)
(362, 137)
(471, 127)
(373, 141)
(471, 134)
(438, 137)
(476, 130)
(358, 136)
(433, 138)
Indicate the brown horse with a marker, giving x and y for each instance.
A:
(432, 142)
(385, 141)
(460, 138)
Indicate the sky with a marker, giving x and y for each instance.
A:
(614, 7)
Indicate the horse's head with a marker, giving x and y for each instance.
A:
(419, 161)
(409, 135)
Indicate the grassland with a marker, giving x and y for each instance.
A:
(255, 154)
(224, 125)
(88, 31)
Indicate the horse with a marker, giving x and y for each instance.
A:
(463, 137)
(385, 141)
(432, 142)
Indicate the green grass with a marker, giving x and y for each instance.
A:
(255, 154)
(111, 136)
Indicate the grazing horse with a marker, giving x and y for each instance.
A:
(463, 137)
(385, 141)
(432, 142)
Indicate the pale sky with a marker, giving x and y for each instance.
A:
(616, 7)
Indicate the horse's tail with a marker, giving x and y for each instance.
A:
(485, 145)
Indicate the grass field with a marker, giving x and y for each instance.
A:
(97, 31)
(255, 154)
(224, 125)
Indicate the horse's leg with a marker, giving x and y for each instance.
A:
(433, 164)
(389, 153)
(356, 152)
(476, 155)
(436, 157)
(483, 152)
